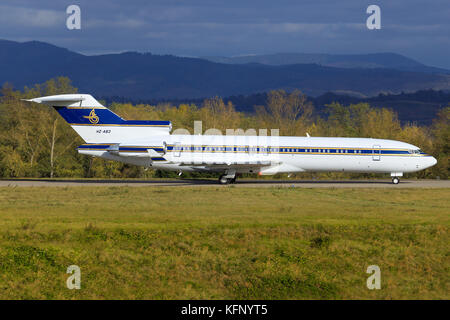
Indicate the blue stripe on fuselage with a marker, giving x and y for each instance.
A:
(270, 150)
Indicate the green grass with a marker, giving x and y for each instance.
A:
(223, 243)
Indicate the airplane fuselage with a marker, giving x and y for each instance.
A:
(270, 155)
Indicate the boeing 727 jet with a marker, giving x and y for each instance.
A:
(151, 144)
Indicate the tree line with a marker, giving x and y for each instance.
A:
(36, 142)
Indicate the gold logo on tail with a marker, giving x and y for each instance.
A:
(93, 118)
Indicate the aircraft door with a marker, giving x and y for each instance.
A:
(376, 153)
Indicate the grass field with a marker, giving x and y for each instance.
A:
(224, 243)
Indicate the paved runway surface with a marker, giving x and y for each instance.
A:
(240, 183)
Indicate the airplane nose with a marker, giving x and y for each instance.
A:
(433, 161)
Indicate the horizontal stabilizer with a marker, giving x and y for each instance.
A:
(68, 100)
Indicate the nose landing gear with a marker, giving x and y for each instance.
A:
(396, 177)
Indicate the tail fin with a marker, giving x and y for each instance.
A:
(96, 123)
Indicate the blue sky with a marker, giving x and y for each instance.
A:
(417, 29)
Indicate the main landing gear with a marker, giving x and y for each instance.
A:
(224, 180)
(229, 177)
(395, 180)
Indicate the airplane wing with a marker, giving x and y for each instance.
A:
(210, 165)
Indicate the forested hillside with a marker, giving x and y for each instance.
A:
(36, 142)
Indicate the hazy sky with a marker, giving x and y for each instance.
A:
(418, 29)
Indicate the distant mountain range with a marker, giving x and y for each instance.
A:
(366, 61)
(147, 76)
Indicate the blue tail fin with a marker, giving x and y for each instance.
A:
(89, 118)
(89, 115)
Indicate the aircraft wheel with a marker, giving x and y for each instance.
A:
(223, 180)
(395, 180)
(233, 180)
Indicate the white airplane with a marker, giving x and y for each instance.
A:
(150, 144)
